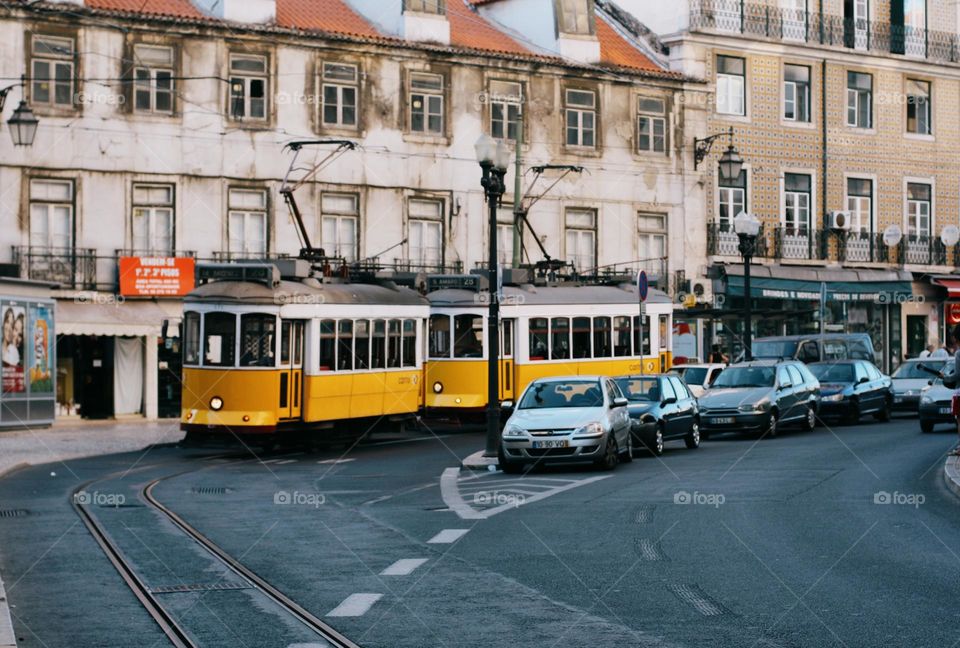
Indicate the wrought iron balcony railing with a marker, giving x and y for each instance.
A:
(723, 241)
(800, 243)
(72, 268)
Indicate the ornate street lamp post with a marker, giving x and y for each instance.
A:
(747, 228)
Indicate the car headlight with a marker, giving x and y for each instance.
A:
(833, 398)
(513, 431)
(437, 387)
(754, 407)
(216, 403)
(589, 430)
(926, 399)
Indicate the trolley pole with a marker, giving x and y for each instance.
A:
(518, 196)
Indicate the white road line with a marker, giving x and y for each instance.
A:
(286, 461)
(336, 461)
(448, 536)
(450, 492)
(396, 441)
(403, 567)
(355, 605)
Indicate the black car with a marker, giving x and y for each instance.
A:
(760, 396)
(851, 388)
(661, 408)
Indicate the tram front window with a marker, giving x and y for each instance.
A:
(468, 336)
(219, 339)
(439, 336)
(191, 339)
(258, 340)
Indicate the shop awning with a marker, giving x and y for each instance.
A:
(952, 284)
(779, 282)
(128, 318)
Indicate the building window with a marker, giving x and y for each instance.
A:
(732, 201)
(51, 214)
(794, 19)
(574, 17)
(340, 214)
(153, 219)
(919, 201)
(796, 93)
(505, 235)
(425, 237)
(426, 103)
(153, 79)
(860, 204)
(505, 100)
(425, 6)
(51, 66)
(856, 23)
(338, 104)
(652, 125)
(859, 100)
(581, 118)
(731, 86)
(918, 107)
(796, 203)
(247, 223)
(248, 87)
(652, 239)
(581, 239)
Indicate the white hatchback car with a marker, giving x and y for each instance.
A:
(567, 419)
(698, 377)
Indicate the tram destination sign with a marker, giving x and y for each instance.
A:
(156, 276)
(453, 282)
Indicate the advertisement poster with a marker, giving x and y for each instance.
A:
(14, 331)
(41, 370)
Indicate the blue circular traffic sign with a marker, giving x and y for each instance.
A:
(643, 286)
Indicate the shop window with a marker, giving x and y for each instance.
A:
(538, 338)
(361, 344)
(601, 337)
(328, 345)
(581, 337)
(468, 336)
(191, 338)
(409, 343)
(621, 337)
(560, 338)
(258, 339)
(219, 339)
(345, 345)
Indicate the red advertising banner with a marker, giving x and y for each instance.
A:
(953, 313)
(156, 276)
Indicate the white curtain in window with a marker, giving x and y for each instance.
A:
(127, 375)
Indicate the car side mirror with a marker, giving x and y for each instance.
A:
(619, 402)
(862, 380)
(668, 401)
(930, 382)
(506, 405)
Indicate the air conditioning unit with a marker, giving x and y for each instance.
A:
(838, 220)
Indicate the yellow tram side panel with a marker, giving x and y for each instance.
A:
(336, 397)
(527, 373)
(244, 393)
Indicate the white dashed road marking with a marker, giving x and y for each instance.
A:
(448, 536)
(355, 605)
(335, 461)
(403, 567)
(286, 461)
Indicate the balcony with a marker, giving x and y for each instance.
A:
(723, 241)
(799, 243)
(71, 268)
(761, 20)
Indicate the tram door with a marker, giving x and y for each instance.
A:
(291, 368)
(506, 359)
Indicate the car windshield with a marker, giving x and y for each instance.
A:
(746, 377)
(640, 389)
(774, 349)
(833, 373)
(695, 375)
(913, 370)
(565, 393)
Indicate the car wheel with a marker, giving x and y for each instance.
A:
(611, 454)
(509, 467)
(627, 456)
(926, 427)
(655, 443)
(853, 414)
(884, 413)
(810, 421)
(772, 426)
(693, 438)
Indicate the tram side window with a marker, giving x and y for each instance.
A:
(644, 349)
(538, 338)
(560, 338)
(439, 336)
(621, 337)
(328, 345)
(468, 336)
(394, 359)
(361, 344)
(219, 340)
(409, 343)
(258, 339)
(601, 337)
(581, 337)
(378, 351)
(345, 345)
(191, 339)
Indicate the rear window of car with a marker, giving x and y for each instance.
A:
(837, 373)
(746, 377)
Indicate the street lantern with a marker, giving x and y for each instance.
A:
(23, 125)
(731, 164)
(494, 158)
(747, 228)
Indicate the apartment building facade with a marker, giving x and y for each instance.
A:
(162, 135)
(845, 113)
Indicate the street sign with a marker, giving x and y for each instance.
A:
(643, 286)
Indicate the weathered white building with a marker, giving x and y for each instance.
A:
(162, 133)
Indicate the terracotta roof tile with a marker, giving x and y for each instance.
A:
(332, 16)
(616, 50)
(177, 8)
(469, 29)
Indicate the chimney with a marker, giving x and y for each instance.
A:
(242, 11)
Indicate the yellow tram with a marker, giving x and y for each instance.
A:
(545, 330)
(279, 346)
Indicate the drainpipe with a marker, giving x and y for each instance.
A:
(823, 146)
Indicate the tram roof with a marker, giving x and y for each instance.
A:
(307, 292)
(551, 295)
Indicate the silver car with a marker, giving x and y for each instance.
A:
(567, 419)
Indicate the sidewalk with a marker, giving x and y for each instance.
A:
(73, 440)
(951, 472)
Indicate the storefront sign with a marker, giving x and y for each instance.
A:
(156, 276)
(953, 313)
(878, 292)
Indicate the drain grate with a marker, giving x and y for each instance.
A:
(199, 587)
(700, 600)
(210, 490)
(13, 513)
(645, 514)
(648, 550)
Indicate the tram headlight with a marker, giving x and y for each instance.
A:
(216, 403)
(437, 387)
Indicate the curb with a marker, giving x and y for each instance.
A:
(951, 474)
(477, 461)
(7, 637)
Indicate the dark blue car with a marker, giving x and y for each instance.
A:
(849, 389)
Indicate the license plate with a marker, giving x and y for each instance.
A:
(550, 444)
(946, 410)
(726, 420)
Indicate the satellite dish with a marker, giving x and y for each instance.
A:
(892, 235)
(950, 235)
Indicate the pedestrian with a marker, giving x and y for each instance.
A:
(943, 353)
(955, 402)
(926, 352)
(717, 356)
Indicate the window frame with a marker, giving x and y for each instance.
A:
(579, 230)
(857, 213)
(797, 228)
(420, 6)
(724, 92)
(855, 98)
(653, 118)
(247, 78)
(152, 71)
(505, 102)
(561, 9)
(726, 190)
(913, 210)
(426, 94)
(70, 204)
(246, 212)
(422, 221)
(340, 85)
(927, 108)
(339, 217)
(152, 208)
(802, 96)
(581, 111)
